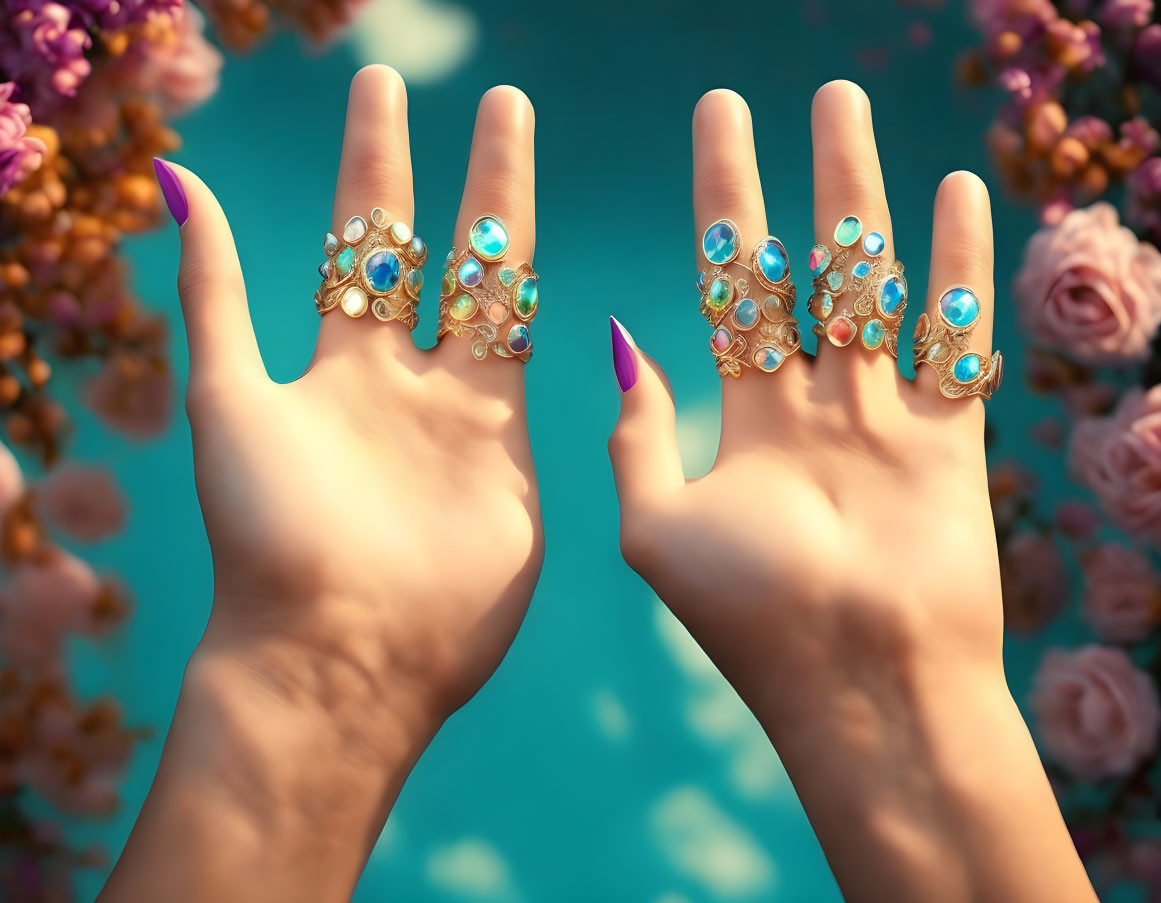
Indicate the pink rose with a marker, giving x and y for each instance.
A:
(1119, 458)
(1034, 581)
(1122, 594)
(83, 502)
(1097, 713)
(1088, 287)
(185, 68)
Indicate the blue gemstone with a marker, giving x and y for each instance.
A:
(325, 269)
(701, 282)
(488, 238)
(345, 261)
(382, 269)
(470, 273)
(768, 359)
(418, 248)
(873, 244)
(720, 242)
(959, 307)
(746, 313)
(835, 281)
(772, 260)
(893, 296)
(873, 334)
(967, 368)
(862, 268)
(519, 340)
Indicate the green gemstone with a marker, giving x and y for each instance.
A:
(507, 274)
(449, 284)
(527, 297)
(345, 261)
(488, 238)
(873, 334)
(720, 293)
(847, 232)
(463, 307)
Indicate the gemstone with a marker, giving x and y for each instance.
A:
(330, 244)
(326, 268)
(382, 270)
(507, 274)
(345, 261)
(448, 285)
(967, 368)
(820, 305)
(701, 282)
(488, 238)
(847, 232)
(354, 301)
(381, 308)
(354, 230)
(450, 259)
(463, 307)
(497, 311)
(893, 296)
(873, 244)
(935, 352)
(720, 242)
(720, 293)
(835, 281)
(768, 359)
(819, 259)
(746, 313)
(527, 297)
(772, 260)
(379, 217)
(479, 350)
(471, 273)
(959, 307)
(862, 268)
(840, 331)
(519, 340)
(419, 249)
(400, 233)
(873, 334)
(772, 307)
(414, 281)
(721, 339)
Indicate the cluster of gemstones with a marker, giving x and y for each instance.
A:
(374, 268)
(879, 289)
(490, 302)
(945, 347)
(747, 332)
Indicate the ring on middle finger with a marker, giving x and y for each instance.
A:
(856, 291)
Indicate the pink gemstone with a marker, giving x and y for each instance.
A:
(721, 339)
(840, 331)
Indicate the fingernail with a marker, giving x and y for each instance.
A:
(624, 357)
(172, 191)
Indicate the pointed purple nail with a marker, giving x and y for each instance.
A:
(172, 191)
(624, 356)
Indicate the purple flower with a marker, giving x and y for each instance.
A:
(43, 52)
(1075, 45)
(112, 14)
(1143, 205)
(1026, 18)
(1147, 54)
(19, 154)
(1126, 13)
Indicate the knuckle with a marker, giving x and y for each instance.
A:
(727, 188)
(967, 261)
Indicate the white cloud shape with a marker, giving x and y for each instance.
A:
(472, 867)
(705, 845)
(425, 40)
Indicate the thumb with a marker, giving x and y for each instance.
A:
(643, 447)
(222, 347)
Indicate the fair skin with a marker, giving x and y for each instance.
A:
(376, 539)
(839, 562)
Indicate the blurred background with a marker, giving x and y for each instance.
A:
(606, 760)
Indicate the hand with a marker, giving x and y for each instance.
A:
(839, 561)
(374, 525)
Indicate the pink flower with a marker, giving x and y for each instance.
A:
(1122, 594)
(1126, 13)
(1076, 520)
(19, 154)
(1077, 44)
(1119, 458)
(1147, 54)
(42, 52)
(185, 70)
(1027, 18)
(41, 603)
(133, 395)
(1089, 288)
(1097, 713)
(1034, 581)
(83, 502)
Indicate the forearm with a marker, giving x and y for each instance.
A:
(926, 786)
(263, 794)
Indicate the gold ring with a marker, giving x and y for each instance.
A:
(944, 345)
(865, 299)
(485, 299)
(753, 322)
(373, 267)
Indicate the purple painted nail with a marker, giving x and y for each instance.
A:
(624, 356)
(172, 191)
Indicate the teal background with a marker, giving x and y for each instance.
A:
(606, 760)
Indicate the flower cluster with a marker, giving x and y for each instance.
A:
(242, 22)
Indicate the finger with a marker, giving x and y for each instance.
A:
(643, 447)
(849, 182)
(726, 185)
(961, 257)
(374, 171)
(501, 181)
(222, 346)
